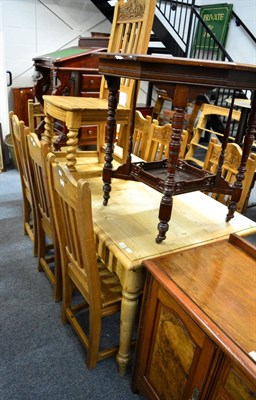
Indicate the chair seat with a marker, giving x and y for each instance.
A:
(111, 291)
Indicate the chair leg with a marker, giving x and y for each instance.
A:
(94, 338)
(29, 220)
(66, 297)
(58, 276)
(41, 246)
(26, 214)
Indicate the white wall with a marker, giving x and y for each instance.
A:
(35, 27)
(3, 82)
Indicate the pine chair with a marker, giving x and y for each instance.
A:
(48, 247)
(140, 137)
(99, 287)
(130, 33)
(232, 160)
(197, 150)
(141, 134)
(158, 142)
(29, 213)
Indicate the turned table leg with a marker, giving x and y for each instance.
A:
(129, 309)
(113, 85)
(180, 100)
(72, 141)
(73, 123)
(48, 131)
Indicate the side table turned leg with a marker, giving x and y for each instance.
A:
(72, 144)
(180, 100)
(48, 131)
(113, 84)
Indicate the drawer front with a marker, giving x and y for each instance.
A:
(90, 83)
(88, 135)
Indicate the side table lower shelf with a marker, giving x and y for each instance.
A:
(187, 178)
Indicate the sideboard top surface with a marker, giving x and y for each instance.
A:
(220, 279)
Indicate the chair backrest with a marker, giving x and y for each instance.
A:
(197, 150)
(140, 137)
(158, 142)
(17, 128)
(36, 157)
(141, 134)
(72, 210)
(232, 160)
(130, 33)
(49, 261)
(35, 115)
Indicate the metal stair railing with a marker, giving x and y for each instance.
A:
(182, 18)
(186, 24)
(208, 41)
(176, 16)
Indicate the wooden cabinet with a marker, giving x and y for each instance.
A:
(71, 71)
(198, 323)
(21, 95)
(179, 353)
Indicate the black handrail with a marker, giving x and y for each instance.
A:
(174, 12)
(200, 24)
(239, 22)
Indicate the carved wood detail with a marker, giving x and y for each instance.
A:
(132, 9)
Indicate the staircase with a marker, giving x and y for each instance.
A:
(175, 26)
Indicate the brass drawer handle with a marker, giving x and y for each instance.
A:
(92, 82)
(89, 132)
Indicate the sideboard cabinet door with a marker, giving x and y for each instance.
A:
(233, 384)
(175, 354)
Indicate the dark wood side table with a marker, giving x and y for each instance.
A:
(197, 333)
(184, 80)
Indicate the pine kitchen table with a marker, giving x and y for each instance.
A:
(125, 231)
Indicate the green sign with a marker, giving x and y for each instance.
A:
(217, 18)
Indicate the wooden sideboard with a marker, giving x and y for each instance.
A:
(198, 324)
(71, 71)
